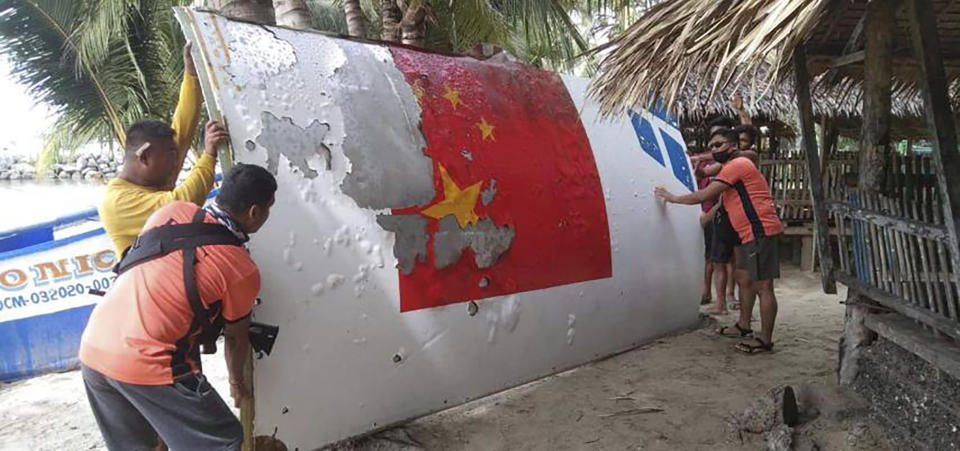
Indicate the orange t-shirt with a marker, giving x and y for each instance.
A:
(143, 320)
(750, 206)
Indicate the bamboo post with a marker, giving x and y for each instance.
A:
(247, 404)
(802, 80)
(946, 159)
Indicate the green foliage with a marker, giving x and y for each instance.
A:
(101, 64)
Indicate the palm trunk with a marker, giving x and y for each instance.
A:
(356, 21)
(390, 20)
(293, 14)
(413, 27)
(259, 11)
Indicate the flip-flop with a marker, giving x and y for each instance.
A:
(740, 332)
(750, 348)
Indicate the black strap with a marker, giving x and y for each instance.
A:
(162, 240)
(165, 239)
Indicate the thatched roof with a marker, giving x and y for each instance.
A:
(692, 52)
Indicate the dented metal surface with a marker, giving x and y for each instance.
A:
(484, 238)
(280, 136)
(340, 124)
(410, 243)
(385, 146)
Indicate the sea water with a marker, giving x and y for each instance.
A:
(26, 202)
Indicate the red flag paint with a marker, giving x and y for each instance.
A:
(515, 131)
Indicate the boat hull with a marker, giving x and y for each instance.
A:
(45, 301)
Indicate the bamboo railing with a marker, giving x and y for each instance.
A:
(790, 185)
(893, 245)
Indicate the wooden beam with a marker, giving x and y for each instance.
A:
(852, 43)
(941, 323)
(941, 353)
(809, 141)
(904, 225)
(849, 58)
(880, 19)
(946, 157)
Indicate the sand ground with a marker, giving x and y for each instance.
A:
(677, 393)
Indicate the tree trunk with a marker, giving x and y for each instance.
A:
(878, 73)
(259, 11)
(390, 17)
(293, 14)
(413, 27)
(356, 21)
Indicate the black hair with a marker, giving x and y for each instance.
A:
(750, 130)
(722, 121)
(727, 134)
(146, 131)
(244, 186)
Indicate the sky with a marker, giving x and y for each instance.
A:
(22, 119)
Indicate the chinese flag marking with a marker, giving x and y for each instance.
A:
(513, 132)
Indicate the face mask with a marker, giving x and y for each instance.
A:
(722, 157)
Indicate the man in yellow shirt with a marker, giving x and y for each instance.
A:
(153, 156)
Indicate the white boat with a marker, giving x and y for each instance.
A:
(47, 273)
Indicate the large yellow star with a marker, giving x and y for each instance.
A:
(452, 95)
(486, 129)
(456, 201)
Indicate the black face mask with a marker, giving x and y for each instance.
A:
(722, 157)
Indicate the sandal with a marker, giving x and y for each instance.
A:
(704, 300)
(740, 332)
(750, 348)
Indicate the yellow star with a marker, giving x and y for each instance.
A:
(457, 202)
(486, 129)
(452, 95)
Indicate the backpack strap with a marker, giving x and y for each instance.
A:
(163, 240)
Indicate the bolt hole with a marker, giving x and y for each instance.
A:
(397, 358)
(472, 308)
(284, 410)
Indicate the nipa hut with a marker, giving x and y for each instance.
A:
(890, 236)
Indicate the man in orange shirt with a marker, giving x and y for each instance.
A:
(184, 277)
(745, 195)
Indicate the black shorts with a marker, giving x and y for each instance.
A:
(725, 239)
(761, 258)
(707, 240)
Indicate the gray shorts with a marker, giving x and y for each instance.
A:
(760, 258)
(188, 415)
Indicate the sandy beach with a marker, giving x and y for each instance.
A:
(680, 392)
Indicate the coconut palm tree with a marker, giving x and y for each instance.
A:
(260, 11)
(293, 14)
(356, 21)
(100, 64)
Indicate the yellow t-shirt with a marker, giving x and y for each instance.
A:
(126, 206)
